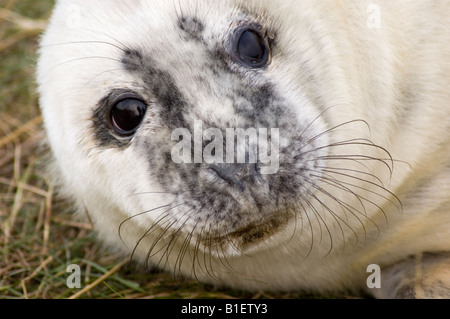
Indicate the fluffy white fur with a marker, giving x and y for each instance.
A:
(396, 78)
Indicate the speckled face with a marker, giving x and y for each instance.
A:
(220, 79)
(207, 70)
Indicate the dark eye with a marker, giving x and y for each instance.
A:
(251, 49)
(127, 115)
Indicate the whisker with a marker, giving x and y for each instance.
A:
(193, 253)
(173, 238)
(352, 209)
(326, 169)
(166, 218)
(317, 118)
(108, 36)
(224, 260)
(320, 219)
(180, 257)
(81, 59)
(99, 75)
(330, 179)
(171, 244)
(185, 244)
(165, 229)
(140, 214)
(86, 42)
(356, 158)
(335, 216)
(399, 204)
(344, 206)
(328, 131)
(209, 269)
(208, 243)
(311, 229)
(302, 200)
(294, 231)
(164, 215)
(151, 253)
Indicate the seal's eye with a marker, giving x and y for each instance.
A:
(251, 49)
(127, 115)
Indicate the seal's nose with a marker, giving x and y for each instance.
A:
(236, 174)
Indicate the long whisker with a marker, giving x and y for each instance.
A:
(99, 75)
(336, 216)
(173, 240)
(174, 237)
(311, 229)
(137, 215)
(163, 216)
(321, 221)
(352, 209)
(326, 169)
(356, 158)
(399, 204)
(317, 118)
(82, 59)
(165, 229)
(86, 42)
(328, 131)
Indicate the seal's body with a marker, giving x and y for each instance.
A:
(351, 99)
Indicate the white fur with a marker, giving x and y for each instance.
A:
(396, 78)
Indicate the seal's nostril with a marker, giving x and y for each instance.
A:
(222, 170)
(235, 174)
(228, 172)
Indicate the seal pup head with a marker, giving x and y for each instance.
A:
(200, 126)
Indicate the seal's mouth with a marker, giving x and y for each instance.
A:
(246, 239)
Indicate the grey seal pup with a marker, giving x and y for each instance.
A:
(259, 145)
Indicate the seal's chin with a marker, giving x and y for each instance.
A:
(251, 238)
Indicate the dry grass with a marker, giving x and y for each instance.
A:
(39, 236)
